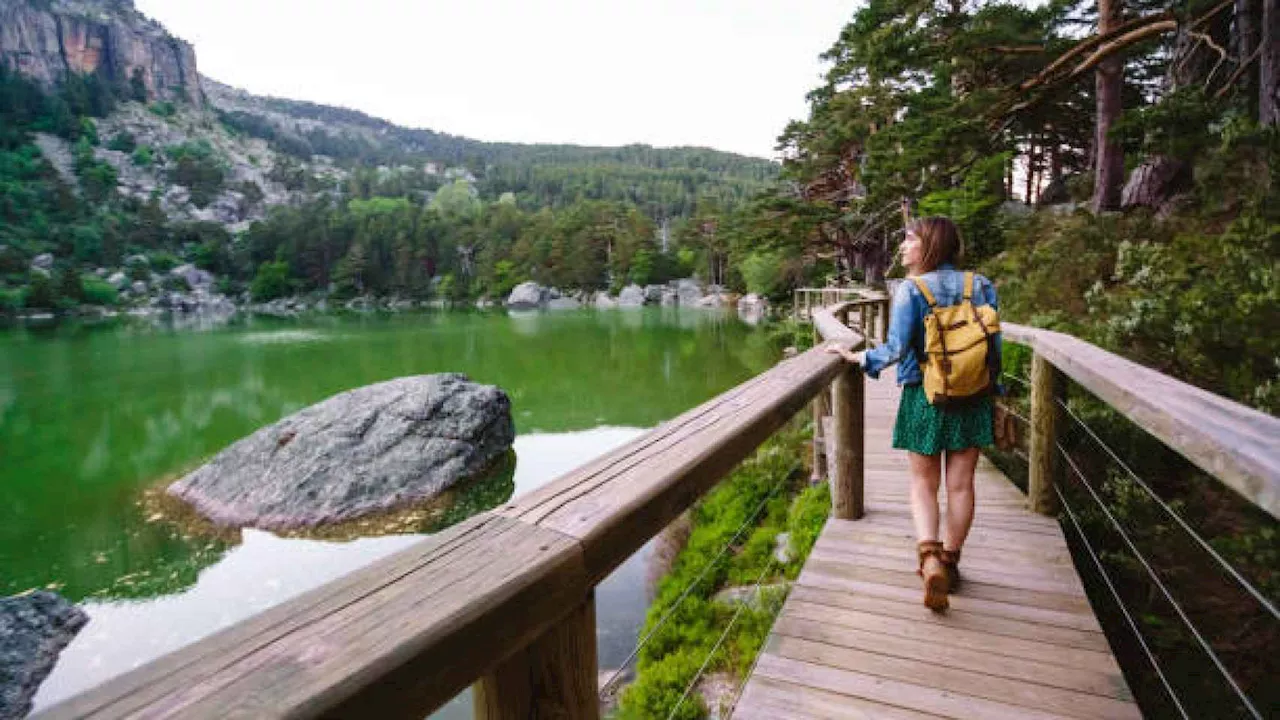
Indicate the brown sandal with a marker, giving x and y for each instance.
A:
(951, 562)
(934, 574)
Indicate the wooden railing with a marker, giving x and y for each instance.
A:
(872, 305)
(1235, 444)
(503, 600)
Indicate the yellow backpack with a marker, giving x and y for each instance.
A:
(957, 346)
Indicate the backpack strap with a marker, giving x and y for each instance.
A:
(968, 286)
(924, 290)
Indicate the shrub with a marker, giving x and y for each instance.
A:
(163, 262)
(123, 142)
(143, 156)
(40, 294)
(99, 292)
(10, 301)
(164, 109)
(271, 281)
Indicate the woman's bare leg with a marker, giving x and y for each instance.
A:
(926, 475)
(960, 467)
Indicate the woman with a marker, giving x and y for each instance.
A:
(930, 251)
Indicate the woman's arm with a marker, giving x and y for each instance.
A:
(902, 329)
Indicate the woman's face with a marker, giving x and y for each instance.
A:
(912, 250)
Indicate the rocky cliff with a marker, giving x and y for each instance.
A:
(46, 39)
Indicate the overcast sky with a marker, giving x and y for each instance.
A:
(727, 74)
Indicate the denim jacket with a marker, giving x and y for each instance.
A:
(905, 342)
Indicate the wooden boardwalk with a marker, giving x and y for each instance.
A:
(853, 640)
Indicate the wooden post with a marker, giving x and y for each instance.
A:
(884, 321)
(1047, 384)
(846, 480)
(820, 410)
(555, 677)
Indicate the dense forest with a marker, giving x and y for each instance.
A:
(1115, 168)
(415, 214)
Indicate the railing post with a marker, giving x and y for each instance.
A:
(556, 676)
(820, 410)
(846, 481)
(1047, 384)
(883, 335)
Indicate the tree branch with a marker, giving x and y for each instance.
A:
(1236, 75)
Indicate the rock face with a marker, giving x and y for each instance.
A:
(47, 40)
(364, 451)
(527, 296)
(631, 296)
(33, 630)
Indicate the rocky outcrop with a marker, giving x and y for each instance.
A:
(48, 40)
(527, 296)
(631, 296)
(33, 631)
(368, 450)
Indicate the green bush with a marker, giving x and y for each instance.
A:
(143, 156)
(40, 294)
(99, 292)
(164, 109)
(123, 142)
(670, 661)
(162, 262)
(271, 281)
(197, 168)
(10, 300)
(762, 272)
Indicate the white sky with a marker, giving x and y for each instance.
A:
(726, 74)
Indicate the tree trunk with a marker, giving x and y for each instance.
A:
(1269, 65)
(1109, 82)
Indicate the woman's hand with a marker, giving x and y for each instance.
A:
(853, 357)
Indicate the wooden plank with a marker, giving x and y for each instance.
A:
(1068, 602)
(768, 699)
(985, 559)
(1234, 443)
(914, 696)
(395, 639)
(1012, 611)
(977, 574)
(1036, 670)
(1017, 638)
(614, 516)
(945, 677)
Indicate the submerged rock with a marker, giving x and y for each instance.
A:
(33, 631)
(360, 452)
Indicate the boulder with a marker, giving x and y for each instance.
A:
(713, 300)
(689, 291)
(138, 288)
(43, 261)
(752, 308)
(1155, 182)
(670, 297)
(631, 296)
(33, 631)
(360, 452)
(604, 301)
(527, 296)
(119, 280)
(194, 277)
(653, 294)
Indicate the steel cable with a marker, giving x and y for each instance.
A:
(1133, 625)
(613, 679)
(1204, 645)
(1222, 562)
(698, 675)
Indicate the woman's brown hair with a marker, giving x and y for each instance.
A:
(939, 240)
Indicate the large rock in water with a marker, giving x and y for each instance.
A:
(363, 451)
(33, 630)
(527, 296)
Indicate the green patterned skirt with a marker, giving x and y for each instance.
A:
(928, 430)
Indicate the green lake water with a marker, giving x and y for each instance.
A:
(92, 416)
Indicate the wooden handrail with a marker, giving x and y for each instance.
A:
(1237, 445)
(503, 600)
